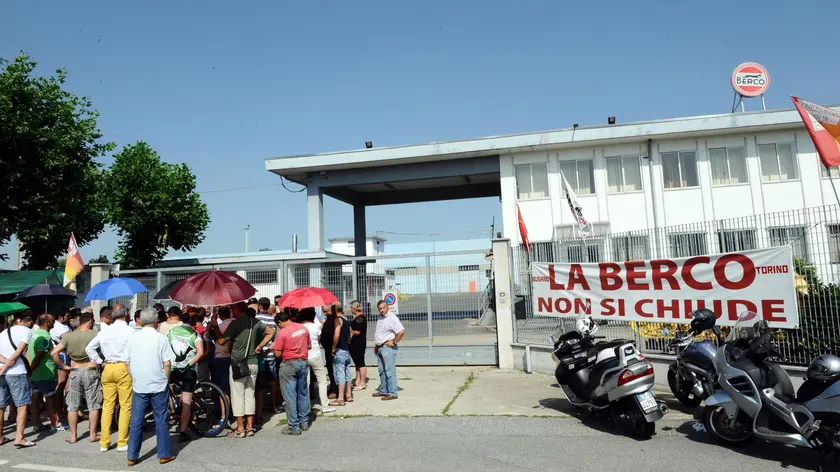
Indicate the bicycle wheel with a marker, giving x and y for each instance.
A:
(210, 409)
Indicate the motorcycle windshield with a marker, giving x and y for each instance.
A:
(748, 327)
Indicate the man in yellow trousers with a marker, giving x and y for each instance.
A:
(116, 381)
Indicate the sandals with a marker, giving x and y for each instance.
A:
(236, 434)
(357, 388)
(349, 400)
(24, 445)
(4, 440)
(337, 403)
(250, 433)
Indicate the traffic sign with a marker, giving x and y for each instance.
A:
(392, 298)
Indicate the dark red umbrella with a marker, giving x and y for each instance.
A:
(308, 297)
(212, 288)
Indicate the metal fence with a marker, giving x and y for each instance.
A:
(812, 233)
(442, 296)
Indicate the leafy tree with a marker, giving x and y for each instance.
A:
(100, 259)
(153, 206)
(49, 177)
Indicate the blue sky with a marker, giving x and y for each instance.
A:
(222, 85)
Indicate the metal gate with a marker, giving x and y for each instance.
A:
(445, 300)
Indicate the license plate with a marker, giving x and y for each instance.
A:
(647, 401)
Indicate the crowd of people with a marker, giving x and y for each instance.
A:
(261, 356)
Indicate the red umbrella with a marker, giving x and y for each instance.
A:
(307, 298)
(212, 288)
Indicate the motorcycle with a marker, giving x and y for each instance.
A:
(757, 400)
(691, 376)
(607, 376)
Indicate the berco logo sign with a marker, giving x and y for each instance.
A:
(750, 79)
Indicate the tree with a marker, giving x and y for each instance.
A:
(49, 176)
(153, 206)
(100, 259)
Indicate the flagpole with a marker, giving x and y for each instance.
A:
(833, 187)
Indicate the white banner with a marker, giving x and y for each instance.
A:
(584, 228)
(669, 290)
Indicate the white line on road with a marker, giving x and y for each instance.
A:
(2, 462)
(50, 468)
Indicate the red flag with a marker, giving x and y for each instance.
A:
(523, 231)
(824, 127)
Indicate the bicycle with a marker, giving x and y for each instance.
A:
(210, 409)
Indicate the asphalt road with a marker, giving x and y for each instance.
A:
(486, 444)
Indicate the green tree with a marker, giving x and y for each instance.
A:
(100, 259)
(49, 176)
(153, 206)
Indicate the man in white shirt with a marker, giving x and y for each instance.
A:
(14, 384)
(116, 381)
(150, 361)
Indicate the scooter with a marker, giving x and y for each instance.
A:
(757, 399)
(607, 376)
(691, 376)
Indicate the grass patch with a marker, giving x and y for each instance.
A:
(458, 393)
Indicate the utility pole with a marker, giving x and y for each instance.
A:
(247, 230)
(19, 254)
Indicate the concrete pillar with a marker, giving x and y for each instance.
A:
(359, 230)
(504, 302)
(315, 217)
(98, 273)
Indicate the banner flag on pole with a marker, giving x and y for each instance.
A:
(823, 125)
(583, 226)
(74, 263)
(523, 230)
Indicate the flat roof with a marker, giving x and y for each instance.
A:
(297, 166)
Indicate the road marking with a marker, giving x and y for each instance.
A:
(2, 462)
(50, 468)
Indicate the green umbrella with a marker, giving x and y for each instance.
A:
(7, 308)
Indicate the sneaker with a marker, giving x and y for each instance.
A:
(122, 449)
(38, 428)
(328, 409)
(62, 428)
(103, 449)
(304, 427)
(290, 432)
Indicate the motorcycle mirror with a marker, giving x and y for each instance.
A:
(602, 322)
(666, 331)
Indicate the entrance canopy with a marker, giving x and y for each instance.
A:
(387, 176)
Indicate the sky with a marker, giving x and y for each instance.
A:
(222, 85)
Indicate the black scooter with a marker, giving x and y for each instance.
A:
(692, 376)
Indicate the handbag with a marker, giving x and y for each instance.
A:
(239, 369)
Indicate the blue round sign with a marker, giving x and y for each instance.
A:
(390, 299)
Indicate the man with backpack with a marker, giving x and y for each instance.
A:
(188, 348)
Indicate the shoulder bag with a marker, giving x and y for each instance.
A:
(239, 369)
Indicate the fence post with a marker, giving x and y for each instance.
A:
(158, 282)
(355, 281)
(429, 300)
(504, 311)
(281, 278)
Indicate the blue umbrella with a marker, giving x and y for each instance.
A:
(113, 288)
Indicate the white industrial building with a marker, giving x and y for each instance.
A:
(701, 181)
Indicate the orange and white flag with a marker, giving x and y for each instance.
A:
(74, 264)
(824, 127)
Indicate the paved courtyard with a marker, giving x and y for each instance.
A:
(464, 419)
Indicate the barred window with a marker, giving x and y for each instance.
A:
(261, 276)
(630, 248)
(790, 235)
(687, 244)
(834, 242)
(737, 240)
